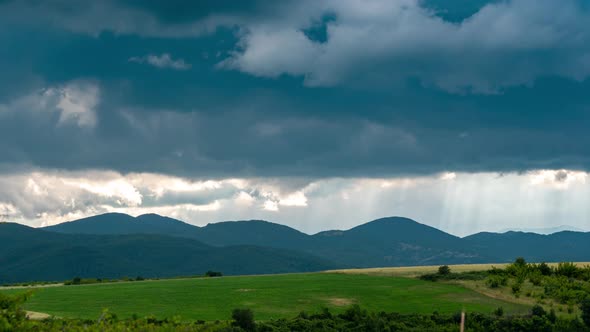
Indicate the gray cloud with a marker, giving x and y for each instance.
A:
(509, 43)
(450, 201)
(162, 61)
(81, 129)
(561, 176)
(381, 96)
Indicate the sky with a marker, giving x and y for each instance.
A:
(466, 115)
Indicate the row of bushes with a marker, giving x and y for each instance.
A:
(445, 273)
(87, 281)
(12, 318)
(521, 269)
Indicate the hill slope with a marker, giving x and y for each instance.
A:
(120, 224)
(28, 254)
(393, 241)
(562, 246)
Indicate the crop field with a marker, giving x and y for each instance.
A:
(273, 296)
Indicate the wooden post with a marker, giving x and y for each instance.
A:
(462, 328)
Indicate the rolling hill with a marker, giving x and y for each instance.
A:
(120, 224)
(561, 246)
(114, 245)
(391, 241)
(28, 254)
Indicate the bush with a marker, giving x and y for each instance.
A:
(213, 274)
(499, 312)
(444, 270)
(544, 269)
(244, 319)
(11, 313)
(496, 281)
(537, 310)
(552, 316)
(536, 278)
(516, 288)
(585, 308)
(475, 275)
(567, 269)
(520, 262)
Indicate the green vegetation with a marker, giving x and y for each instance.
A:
(585, 308)
(212, 274)
(564, 287)
(270, 297)
(12, 318)
(316, 302)
(566, 283)
(89, 281)
(445, 273)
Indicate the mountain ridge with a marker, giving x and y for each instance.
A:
(140, 220)
(31, 254)
(390, 241)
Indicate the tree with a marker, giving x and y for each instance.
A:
(444, 270)
(499, 312)
(516, 288)
(244, 318)
(213, 274)
(538, 311)
(585, 308)
(567, 269)
(544, 269)
(520, 262)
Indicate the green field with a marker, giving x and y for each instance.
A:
(275, 296)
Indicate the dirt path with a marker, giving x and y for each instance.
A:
(33, 315)
(33, 286)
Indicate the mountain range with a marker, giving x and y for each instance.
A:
(115, 245)
(545, 230)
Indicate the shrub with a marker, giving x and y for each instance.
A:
(520, 262)
(444, 270)
(537, 310)
(544, 269)
(499, 312)
(244, 319)
(496, 281)
(585, 308)
(567, 269)
(213, 274)
(516, 288)
(536, 278)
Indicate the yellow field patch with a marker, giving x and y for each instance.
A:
(340, 301)
(415, 271)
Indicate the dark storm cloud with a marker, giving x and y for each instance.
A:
(70, 97)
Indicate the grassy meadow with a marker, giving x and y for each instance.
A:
(270, 297)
